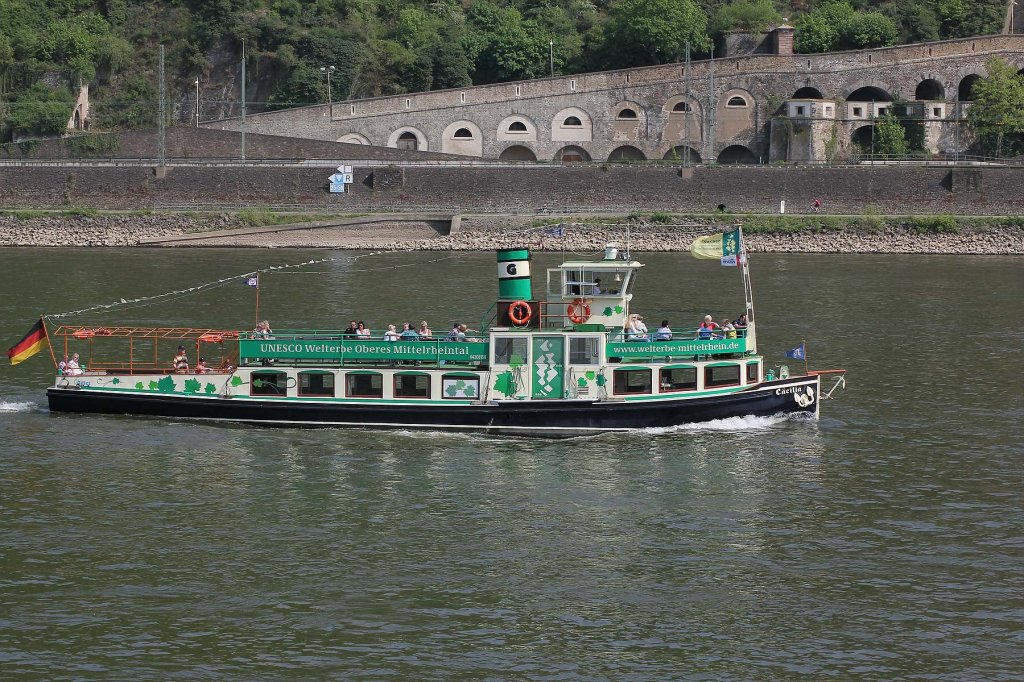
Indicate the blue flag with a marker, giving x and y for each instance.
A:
(252, 281)
(558, 231)
(798, 353)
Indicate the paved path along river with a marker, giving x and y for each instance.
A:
(883, 542)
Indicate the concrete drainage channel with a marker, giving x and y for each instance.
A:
(444, 224)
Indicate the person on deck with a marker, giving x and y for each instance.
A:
(456, 332)
(201, 367)
(707, 328)
(664, 332)
(424, 331)
(62, 365)
(352, 330)
(596, 289)
(740, 322)
(391, 334)
(636, 330)
(408, 333)
(180, 361)
(362, 331)
(73, 369)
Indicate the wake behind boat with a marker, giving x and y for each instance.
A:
(572, 362)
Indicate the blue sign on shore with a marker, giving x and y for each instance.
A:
(340, 179)
(337, 188)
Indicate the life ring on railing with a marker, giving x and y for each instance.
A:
(103, 331)
(211, 338)
(578, 311)
(520, 313)
(83, 334)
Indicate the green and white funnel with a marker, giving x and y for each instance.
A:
(514, 281)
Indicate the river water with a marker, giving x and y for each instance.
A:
(884, 541)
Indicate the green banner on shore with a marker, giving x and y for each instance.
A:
(334, 349)
(691, 347)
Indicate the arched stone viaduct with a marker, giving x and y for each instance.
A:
(746, 109)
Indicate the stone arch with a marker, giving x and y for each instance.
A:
(572, 154)
(517, 152)
(353, 138)
(737, 114)
(930, 89)
(525, 130)
(572, 124)
(678, 154)
(870, 92)
(808, 92)
(462, 137)
(966, 85)
(627, 152)
(736, 154)
(629, 121)
(408, 137)
(681, 124)
(860, 137)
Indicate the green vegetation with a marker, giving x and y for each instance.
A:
(997, 115)
(382, 47)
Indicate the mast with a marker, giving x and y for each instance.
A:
(748, 291)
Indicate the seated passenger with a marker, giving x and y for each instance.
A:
(73, 369)
(62, 365)
(728, 331)
(424, 331)
(636, 330)
(362, 331)
(664, 332)
(456, 334)
(180, 361)
(391, 334)
(740, 322)
(707, 328)
(596, 289)
(352, 330)
(201, 367)
(262, 330)
(408, 333)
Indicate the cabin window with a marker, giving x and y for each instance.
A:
(721, 375)
(753, 375)
(679, 379)
(316, 383)
(510, 350)
(364, 385)
(460, 387)
(632, 381)
(412, 386)
(268, 383)
(736, 101)
(584, 350)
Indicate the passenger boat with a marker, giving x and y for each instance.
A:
(557, 365)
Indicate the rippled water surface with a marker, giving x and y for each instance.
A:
(884, 541)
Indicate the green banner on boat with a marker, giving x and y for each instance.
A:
(320, 349)
(691, 347)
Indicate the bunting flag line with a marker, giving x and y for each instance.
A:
(29, 345)
(726, 247)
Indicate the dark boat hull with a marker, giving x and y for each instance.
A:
(550, 418)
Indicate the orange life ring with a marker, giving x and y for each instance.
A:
(520, 313)
(103, 331)
(84, 334)
(578, 311)
(211, 338)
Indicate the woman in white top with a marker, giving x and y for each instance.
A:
(391, 334)
(424, 331)
(361, 331)
(637, 329)
(73, 369)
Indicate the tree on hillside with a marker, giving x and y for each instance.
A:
(997, 115)
(645, 32)
(746, 15)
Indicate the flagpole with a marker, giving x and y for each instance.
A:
(748, 289)
(49, 345)
(257, 301)
(806, 368)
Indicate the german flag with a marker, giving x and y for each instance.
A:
(31, 344)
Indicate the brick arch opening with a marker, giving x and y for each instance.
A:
(627, 153)
(861, 138)
(930, 89)
(357, 138)
(517, 152)
(517, 128)
(408, 138)
(736, 116)
(737, 154)
(808, 92)
(462, 137)
(679, 154)
(572, 154)
(572, 124)
(966, 86)
(869, 93)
